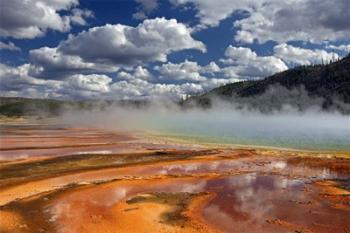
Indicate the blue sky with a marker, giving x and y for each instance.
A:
(136, 49)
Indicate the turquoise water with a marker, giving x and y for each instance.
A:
(313, 132)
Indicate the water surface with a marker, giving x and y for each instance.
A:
(310, 132)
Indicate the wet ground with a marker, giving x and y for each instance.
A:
(58, 179)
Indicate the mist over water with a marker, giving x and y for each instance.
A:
(312, 129)
(306, 131)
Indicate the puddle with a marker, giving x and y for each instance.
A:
(245, 193)
(263, 165)
(251, 202)
(255, 203)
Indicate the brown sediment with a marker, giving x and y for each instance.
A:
(178, 203)
(31, 211)
(113, 212)
(10, 221)
(176, 216)
(336, 191)
(195, 211)
(58, 166)
(335, 187)
(340, 165)
(288, 226)
(60, 138)
(14, 186)
(12, 192)
(91, 180)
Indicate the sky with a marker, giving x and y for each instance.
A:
(150, 49)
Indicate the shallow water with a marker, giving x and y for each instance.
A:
(312, 132)
(238, 190)
(243, 203)
(249, 201)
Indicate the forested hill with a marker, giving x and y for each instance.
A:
(17, 106)
(325, 86)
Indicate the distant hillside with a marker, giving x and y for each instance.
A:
(325, 86)
(16, 106)
(23, 106)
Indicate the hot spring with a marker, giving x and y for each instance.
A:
(310, 131)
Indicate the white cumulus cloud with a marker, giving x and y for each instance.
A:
(9, 46)
(300, 56)
(278, 20)
(32, 18)
(49, 63)
(145, 8)
(344, 48)
(152, 40)
(181, 72)
(246, 64)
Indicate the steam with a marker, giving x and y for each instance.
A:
(288, 127)
(275, 98)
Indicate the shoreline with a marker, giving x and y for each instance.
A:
(165, 184)
(174, 139)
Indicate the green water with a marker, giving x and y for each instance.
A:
(296, 132)
(306, 144)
